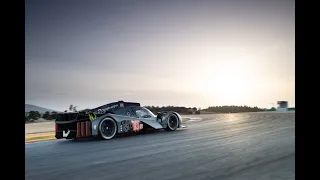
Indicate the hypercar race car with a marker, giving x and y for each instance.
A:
(114, 118)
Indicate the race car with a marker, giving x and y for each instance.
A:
(113, 118)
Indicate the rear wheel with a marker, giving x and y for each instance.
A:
(107, 128)
(173, 123)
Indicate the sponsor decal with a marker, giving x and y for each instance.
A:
(92, 116)
(136, 125)
(64, 134)
(103, 111)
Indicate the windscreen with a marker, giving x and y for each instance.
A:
(144, 113)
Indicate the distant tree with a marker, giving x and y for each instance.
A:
(216, 109)
(46, 115)
(66, 111)
(73, 108)
(34, 115)
(53, 115)
(190, 111)
(233, 109)
(26, 119)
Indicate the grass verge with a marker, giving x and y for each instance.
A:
(39, 138)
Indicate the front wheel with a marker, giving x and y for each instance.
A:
(173, 123)
(107, 128)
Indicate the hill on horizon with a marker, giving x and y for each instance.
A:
(41, 110)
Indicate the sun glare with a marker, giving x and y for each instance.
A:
(228, 81)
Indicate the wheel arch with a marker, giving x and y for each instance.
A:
(95, 124)
(179, 118)
(107, 117)
(172, 113)
(177, 115)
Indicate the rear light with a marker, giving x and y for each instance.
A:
(83, 129)
(78, 130)
(87, 128)
(55, 127)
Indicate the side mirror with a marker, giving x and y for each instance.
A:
(159, 117)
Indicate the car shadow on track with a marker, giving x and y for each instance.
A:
(124, 136)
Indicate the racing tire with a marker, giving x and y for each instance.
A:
(107, 128)
(172, 123)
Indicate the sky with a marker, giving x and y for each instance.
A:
(170, 52)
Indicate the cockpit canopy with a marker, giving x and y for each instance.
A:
(143, 112)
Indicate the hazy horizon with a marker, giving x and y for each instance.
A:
(181, 53)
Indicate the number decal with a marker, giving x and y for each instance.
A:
(136, 125)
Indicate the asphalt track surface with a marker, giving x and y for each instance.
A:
(248, 146)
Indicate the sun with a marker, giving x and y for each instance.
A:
(228, 76)
(228, 83)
